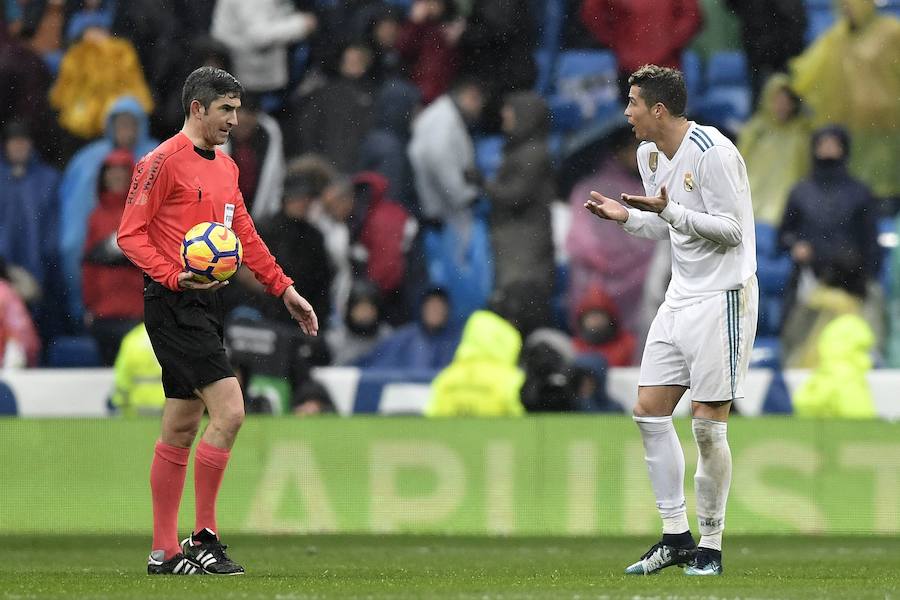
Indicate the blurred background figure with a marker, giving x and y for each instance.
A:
(772, 32)
(426, 344)
(331, 215)
(333, 118)
(483, 379)
(96, 70)
(829, 228)
(258, 34)
(26, 79)
(520, 197)
(113, 289)
(497, 48)
(589, 372)
(837, 387)
(257, 149)
(297, 245)
(29, 211)
(598, 329)
(547, 357)
(138, 384)
(429, 46)
(642, 31)
(381, 234)
(847, 79)
(362, 328)
(126, 129)
(383, 149)
(600, 252)
(443, 156)
(775, 147)
(312, 398)
(20, 345)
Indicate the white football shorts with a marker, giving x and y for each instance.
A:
(705, 346)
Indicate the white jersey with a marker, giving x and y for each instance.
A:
(709, 218)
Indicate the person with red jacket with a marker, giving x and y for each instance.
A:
(384, 236)
(642, 31)
(114, 288)
(598, 329)
(429, 45)
(186, 181)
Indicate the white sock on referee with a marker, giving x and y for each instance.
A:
(665, 463)
(712, 480)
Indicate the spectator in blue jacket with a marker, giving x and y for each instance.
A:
(126, 128)
(426, 344)
(28, 210)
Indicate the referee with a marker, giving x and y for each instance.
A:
(185, 181)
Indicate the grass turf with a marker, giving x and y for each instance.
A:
(464, 568)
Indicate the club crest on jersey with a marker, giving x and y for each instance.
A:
(653, 161)
(688, 182)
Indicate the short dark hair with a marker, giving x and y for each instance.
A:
(206, 84)
(661, 84)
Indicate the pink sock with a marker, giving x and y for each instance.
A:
(166, 484)
(209, 467)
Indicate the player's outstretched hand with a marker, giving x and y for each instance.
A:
(606, 208)
(301, 311)
(649, 203)
(186, 282)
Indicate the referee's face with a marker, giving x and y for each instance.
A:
(220, 119)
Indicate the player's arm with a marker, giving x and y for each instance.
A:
(267, 271)
(722, 180)
(150, 185)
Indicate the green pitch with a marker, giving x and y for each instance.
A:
(463, 568)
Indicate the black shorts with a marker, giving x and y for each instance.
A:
(186, 331)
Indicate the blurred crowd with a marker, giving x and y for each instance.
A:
(418, 167)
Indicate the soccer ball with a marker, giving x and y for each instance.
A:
(211, 252)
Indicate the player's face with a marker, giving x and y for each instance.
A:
(639, 115)
(220, 119)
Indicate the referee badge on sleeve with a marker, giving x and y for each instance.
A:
(688, 182)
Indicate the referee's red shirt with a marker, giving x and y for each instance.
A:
(173, 189)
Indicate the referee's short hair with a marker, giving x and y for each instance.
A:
(206, 84)
(661, 84)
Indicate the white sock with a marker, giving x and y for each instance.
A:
(712, 480)
(665, 463)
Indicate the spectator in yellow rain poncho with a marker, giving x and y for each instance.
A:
(139, 389)
(838, 387)
(483, 379)
(96, 70)
(851, 76)
(775, 146)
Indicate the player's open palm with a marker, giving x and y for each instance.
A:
(301, 311)
(649, 203)
(606, 208)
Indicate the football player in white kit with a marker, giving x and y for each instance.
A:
(698, 197)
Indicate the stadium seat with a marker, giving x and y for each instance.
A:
(887, 241)
(726, 101)
(774, 269)
(488, 154)
(73, 352)
(766, 353)
(818, 20)
(372, 382)
(727, 68)
(585, 85)
(7, 400)
(543, 61)
(692, 68)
